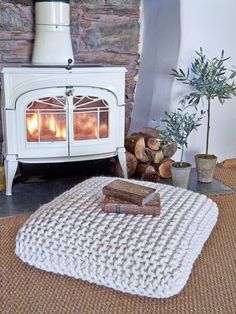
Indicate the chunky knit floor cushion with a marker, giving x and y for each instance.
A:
(143, 255)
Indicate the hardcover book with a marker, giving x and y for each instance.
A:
(113, 205)
(130, 192)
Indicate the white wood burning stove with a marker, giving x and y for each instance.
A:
(54, 114)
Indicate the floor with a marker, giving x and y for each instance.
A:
(39, 184)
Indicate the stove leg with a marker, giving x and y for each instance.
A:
(122, 161)
(10, 165)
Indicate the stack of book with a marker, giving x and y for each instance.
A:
(123, 197)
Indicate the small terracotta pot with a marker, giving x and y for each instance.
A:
(180, 175)
(205, 167)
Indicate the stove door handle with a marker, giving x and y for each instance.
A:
(69, 91)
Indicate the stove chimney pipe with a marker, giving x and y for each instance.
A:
(52, 45)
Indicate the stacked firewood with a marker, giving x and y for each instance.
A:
(147, 155)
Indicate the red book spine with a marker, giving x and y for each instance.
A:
(112, 205)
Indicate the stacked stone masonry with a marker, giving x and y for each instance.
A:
(104, 32)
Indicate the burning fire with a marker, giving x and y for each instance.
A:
(86, 127)
(103, 132)
(52, 127)
(32, 124)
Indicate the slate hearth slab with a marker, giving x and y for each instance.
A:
(27, 198)
(215, 187)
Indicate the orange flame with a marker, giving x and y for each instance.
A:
(86, 127)
(51, 123)
(52, 127)
(32, 123)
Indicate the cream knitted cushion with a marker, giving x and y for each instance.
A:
(143, 255)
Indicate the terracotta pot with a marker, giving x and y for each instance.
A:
(205, 167)
(180, 175)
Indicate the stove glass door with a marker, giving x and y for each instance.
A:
(95, 121)
(42, 123)
(90, 118)
(46, 120)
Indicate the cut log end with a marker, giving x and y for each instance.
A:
(130, 142)
(152, 156)
(152, 177)
(152, 132)
(143, 168)
(131, 162)
(169, 149)
(139, 150)
(164, 168)
(153, 143)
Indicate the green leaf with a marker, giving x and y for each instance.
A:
(175, 71)
(182, 72)
(232, 75)
(221, 100)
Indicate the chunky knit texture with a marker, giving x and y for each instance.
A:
(143, 255)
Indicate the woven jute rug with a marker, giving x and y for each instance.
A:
(226, 176)
(210, 289)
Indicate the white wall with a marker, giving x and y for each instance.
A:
(160, 48)
(209, 24)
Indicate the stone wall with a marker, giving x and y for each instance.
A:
(103, 32)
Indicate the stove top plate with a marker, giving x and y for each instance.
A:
(60, 66)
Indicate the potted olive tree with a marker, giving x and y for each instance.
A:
(210, 79)
(178, 126)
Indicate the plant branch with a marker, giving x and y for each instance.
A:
(208, 123)
(182, 155)
(208, 79)
(178, 126)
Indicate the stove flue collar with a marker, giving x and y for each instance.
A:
(52, 31)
